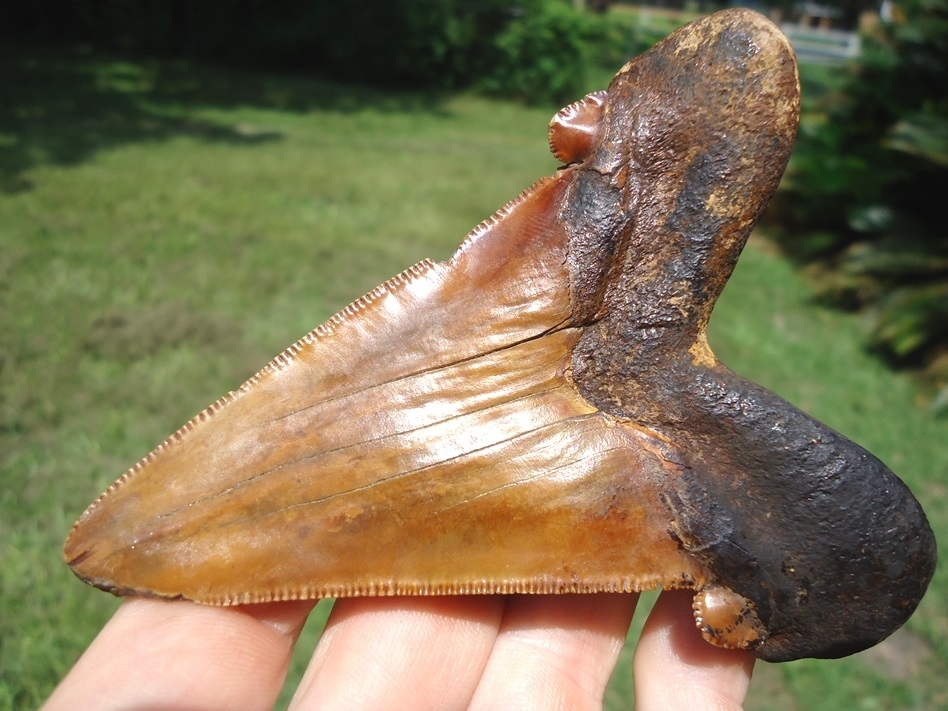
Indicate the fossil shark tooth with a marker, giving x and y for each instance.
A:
(542, 413)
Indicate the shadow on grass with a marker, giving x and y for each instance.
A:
(60, 106)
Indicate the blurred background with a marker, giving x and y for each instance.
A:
(186, 188)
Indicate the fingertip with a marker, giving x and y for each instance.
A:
(401, 652)
(674, 667)
(177, 654)
(555, 651)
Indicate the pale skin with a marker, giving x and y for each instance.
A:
(543, 652)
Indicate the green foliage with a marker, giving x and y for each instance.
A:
(865, 197)
(435, 43)
(546, 54)
(538, 50)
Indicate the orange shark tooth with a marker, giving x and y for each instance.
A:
(542, 412)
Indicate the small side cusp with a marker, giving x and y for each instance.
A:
(574, 129)
(728, 619)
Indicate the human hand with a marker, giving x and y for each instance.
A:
(478, 652)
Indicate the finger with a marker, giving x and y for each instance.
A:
(177, 655)
(674, 668)
(394, 653)
(555, 651)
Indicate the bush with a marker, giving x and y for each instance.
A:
(536, 49)
(539, 51)
(425, 43)
(547, 53)
(864, 193)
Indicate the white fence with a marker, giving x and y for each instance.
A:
(814, 44)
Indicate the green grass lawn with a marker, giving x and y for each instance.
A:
(165, 229)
